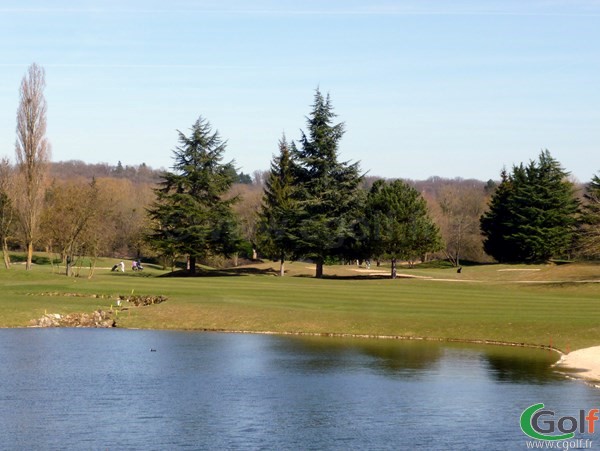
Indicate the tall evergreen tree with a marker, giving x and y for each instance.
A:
(190, 215)
(327, 190)
(497, 223)
(532, 214)
(278, 209)
(399, 223)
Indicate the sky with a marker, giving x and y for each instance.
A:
(425, 88)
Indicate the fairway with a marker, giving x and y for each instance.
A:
(537, 305)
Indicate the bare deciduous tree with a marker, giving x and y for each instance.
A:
(461, 207)
(6, 207)
(250, 197)
(33, 153)
(127, 220)
(70, 209)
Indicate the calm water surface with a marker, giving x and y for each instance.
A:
(105, 389)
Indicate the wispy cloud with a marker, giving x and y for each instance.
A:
(538, 8)
(134, 66)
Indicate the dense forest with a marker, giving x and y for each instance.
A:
(123, 194)
(116, 220)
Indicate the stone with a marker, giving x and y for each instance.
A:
(98, 318)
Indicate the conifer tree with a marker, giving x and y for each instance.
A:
(532, 214)
(399, 223)
(497, 222)
(327, 190)
(190, 215)
(278, 209)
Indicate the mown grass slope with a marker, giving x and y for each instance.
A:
(556, 305)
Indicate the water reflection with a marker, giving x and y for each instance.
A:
(507, 364)
(416, 358)
(389, 357)
(104, 389)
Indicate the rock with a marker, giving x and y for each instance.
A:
(99, 318)
(48, 320)
(140, 301)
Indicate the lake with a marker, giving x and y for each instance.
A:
(131, 389)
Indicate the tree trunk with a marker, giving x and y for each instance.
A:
(451, 258)
(254, 254)
(5, 253)
(29, 255)
(458, 242)
(92, 267)
(192, 265)
(394, 274)
(281, 267)
(319, 272)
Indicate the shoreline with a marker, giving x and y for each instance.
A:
(337, 335)
(581, 364)
(383, 337)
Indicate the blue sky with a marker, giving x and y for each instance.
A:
(454, 89)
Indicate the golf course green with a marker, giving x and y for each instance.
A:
(545, 305)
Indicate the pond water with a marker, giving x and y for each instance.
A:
(131, 389)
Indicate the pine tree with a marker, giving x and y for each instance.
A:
(532, 214)
(497, 223)
(119, 171)
(327, 190)
(278, 209)
(399, 223)
(190, 215)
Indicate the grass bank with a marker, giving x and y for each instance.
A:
(540, 305)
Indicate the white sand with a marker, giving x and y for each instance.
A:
(519, 269)
(585, 361)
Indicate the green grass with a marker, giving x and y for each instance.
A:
(553, 305)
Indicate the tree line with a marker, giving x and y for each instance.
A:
(310, 205)
(318, 208)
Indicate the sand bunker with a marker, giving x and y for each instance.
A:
(584, 362)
